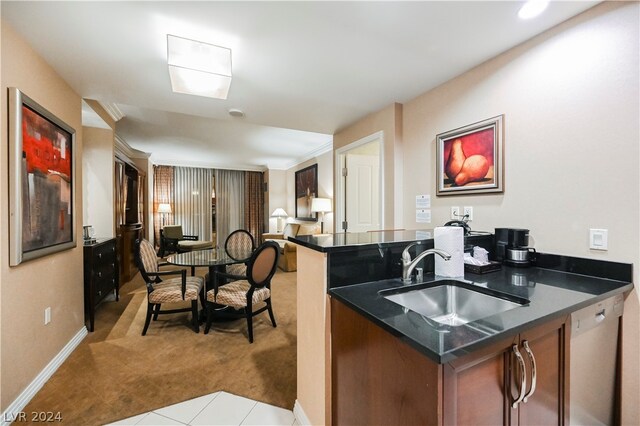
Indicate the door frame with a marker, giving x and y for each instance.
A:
(339, 161)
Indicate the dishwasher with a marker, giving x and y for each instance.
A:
(594, 354)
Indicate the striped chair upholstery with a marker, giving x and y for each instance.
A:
(239, 241)
(235, 295)
(253, 289)
(169, 290)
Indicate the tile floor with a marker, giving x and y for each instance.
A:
(219, 408)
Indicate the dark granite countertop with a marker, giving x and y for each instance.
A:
(351, 240)
(552, 294)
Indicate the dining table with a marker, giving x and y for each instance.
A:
(216, 260)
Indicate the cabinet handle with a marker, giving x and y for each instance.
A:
(99, 274)
(99, 255)
(523, 378)
(529, 352)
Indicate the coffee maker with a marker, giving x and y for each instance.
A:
(511, 247)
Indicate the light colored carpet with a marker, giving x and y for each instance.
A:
(117, 373)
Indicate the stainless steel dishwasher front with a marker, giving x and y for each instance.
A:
(594, 346)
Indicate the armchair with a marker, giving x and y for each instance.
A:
(172, 240)
(288, 260)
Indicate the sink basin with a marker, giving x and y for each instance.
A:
(452, 302)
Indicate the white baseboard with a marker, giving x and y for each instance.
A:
(15, 408)
(300, 415)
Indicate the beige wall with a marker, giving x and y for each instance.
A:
(571, 112)
(98, 180)
(389, 122)
(325, 186)
(276, 197)
(55, 280)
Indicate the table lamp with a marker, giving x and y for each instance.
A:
(164, 209)
(322, 206)
(279, 213)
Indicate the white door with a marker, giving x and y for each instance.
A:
(362, 193)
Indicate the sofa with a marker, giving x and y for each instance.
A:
(288, 260)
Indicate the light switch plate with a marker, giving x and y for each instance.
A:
(598, 239)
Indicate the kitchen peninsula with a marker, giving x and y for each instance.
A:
(362, 357)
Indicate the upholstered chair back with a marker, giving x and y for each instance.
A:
(238, 243)
(262, 265)
(173, 231)
(290, 230)
(148, 257)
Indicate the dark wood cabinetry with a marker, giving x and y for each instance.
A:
(127, 241)
(129, 215)
(101, 277)
(379, 379)
(481, 388)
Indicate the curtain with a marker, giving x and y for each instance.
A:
(254, 204)
(162, 193)
(229, 203)
(192, 188)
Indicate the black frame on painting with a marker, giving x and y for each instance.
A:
(42, 202)
(306, 188)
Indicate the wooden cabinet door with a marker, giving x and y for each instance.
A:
(479, 389)
(376, 378)
(476, 387)
(548, 404)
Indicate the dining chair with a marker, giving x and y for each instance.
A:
(171, 290)
(236, 245)
(248, 290)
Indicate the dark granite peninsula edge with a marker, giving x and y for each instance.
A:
(359, 257)
(551, 294)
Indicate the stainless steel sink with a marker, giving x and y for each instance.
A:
(452, 302)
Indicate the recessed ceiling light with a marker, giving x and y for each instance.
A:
(198, 68)
(234, 112)
(532, 8)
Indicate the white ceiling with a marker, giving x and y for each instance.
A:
(301, 70)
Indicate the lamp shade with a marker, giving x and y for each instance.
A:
(321, 205)
(164, 208)
(279, 213)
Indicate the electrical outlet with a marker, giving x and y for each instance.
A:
(47, 315)
(455, 213)
(468, 211)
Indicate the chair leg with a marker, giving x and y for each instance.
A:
(249, 314)
(148, 319)
(273, 319)
(209, 309)
(250, 325)
(156, 311)
(194, 313)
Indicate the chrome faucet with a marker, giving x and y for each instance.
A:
(408, 265)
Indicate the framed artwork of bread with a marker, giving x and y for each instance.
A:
(470, 158)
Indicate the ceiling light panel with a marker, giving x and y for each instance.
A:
(532, 8)
(198, 68)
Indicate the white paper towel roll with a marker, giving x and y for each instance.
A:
(451, 240)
